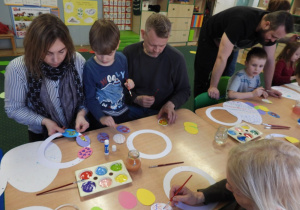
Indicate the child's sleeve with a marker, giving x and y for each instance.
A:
(90, 93)
(280, 76)
(234, 83)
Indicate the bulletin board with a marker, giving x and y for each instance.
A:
(119, 11)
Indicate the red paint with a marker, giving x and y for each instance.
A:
(86, 175)
(248, 135)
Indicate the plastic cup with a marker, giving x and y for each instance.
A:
(221, 135)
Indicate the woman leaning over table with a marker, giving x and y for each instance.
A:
(43, 88)
(261, 175)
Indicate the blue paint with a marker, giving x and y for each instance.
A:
(102, 137)
(241, 138)
(274, 114)
(123, 129)
(231, 132)
(70, 133)
(101, 171)
(299, 121)
(88, 186)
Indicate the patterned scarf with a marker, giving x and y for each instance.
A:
(70, 93)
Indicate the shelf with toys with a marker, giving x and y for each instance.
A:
(180, 13)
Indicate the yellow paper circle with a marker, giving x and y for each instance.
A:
(264, 108)
(145, 197)
(2, 95)
(190, 124)
(291, 139)
(191, 129)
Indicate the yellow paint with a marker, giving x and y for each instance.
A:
(292, 139)
(245, 127)
(190, 124)
(121, 178)
(264, 108)
(267, 101)
(163, 121)
(145, 197)
(191, 130)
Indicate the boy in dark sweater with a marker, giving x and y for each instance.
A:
(105, 76)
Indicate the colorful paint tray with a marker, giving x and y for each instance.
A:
(102, 177)
(244, 133)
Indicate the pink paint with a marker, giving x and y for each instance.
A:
(86, 175)
(127, 200)
(239, 129)
(106, 182)
(85, 152)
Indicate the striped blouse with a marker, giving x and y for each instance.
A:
(18, 107)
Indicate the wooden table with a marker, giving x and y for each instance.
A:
(283, 107)
(195, 150)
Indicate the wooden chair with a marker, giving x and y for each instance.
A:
(12, 40)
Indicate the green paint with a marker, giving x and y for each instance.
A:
(96, 208)
(4, 63)
(254, 132)
(116, 167)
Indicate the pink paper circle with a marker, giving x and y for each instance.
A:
(127, 200)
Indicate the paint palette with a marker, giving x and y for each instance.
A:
(244, 133)
(102, 177)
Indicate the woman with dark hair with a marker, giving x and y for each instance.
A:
(43, 88)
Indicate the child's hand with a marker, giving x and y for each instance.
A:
(265, 94)
(258, 92)
(129, 84)
(293, 78)
(108, 121)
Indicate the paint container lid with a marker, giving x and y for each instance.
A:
(106, 142)
(114, 148)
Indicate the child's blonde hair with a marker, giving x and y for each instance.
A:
(287, 53)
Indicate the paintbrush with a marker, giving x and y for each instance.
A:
(128, 88)
(59, 187)
(276, 127)
(271, 125)
(155, 92)
(177, 191)
(167, 164)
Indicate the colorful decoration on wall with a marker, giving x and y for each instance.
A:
(119, 12)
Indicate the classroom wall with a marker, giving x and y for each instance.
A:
(78, 33)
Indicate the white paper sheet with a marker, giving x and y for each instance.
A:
(24, 170)
(287, 93)
(154, 156)
(52, 164)
(293, 86)
(208, 114)
(174, 171)
(246, 112)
